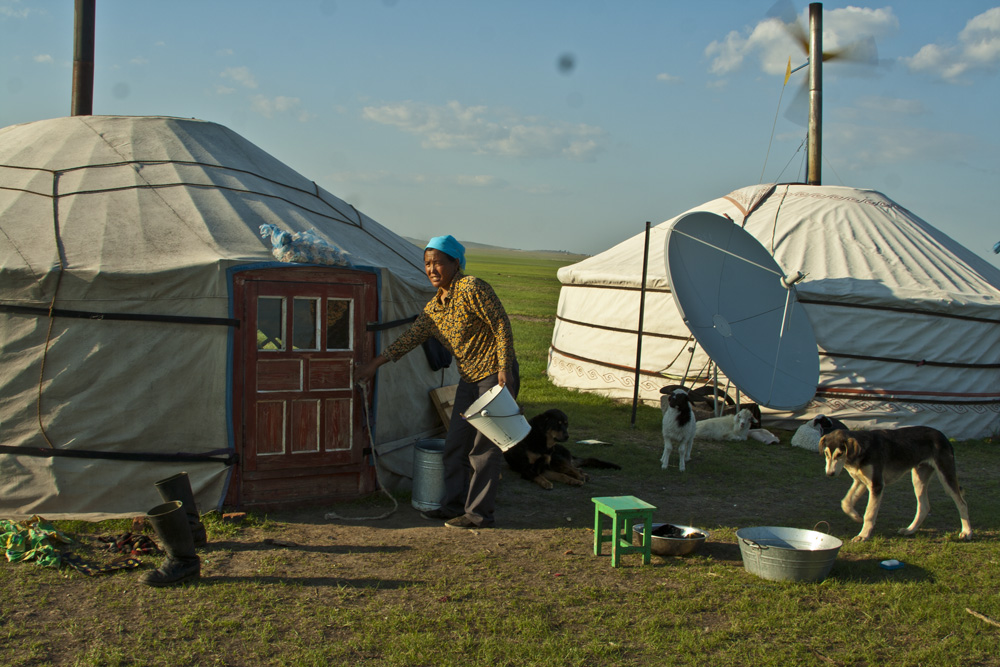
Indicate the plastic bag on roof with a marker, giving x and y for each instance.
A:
(302, 247)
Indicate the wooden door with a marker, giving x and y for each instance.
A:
(302, 430)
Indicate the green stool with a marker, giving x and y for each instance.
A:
(624, 511)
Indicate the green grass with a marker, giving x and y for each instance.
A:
(539, 597)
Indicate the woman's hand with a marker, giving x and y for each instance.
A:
(502, 378)
(365, 372)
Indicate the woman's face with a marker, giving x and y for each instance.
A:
(440, 268)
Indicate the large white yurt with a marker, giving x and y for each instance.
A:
(907, 321)
(147, 326)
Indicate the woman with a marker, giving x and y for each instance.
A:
(468, 318)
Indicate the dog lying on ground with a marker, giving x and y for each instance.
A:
(541, 459)
(879, 457)
(678, 426)
(735, 427)
(807, 435)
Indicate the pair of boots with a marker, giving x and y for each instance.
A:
(180, 530)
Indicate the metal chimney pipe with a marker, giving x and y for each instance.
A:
(83, 58)
(814, 148)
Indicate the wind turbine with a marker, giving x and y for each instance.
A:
(811, 42)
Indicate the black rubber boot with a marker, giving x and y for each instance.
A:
(171, 525)
(178, 487)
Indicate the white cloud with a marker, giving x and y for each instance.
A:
(978, 48)
(43, 58)
(224, 52)
(462, 181)
(891, 105)
(771, 44)
(668, 78)
(480, 130)
(268, 107)
(240, 75)
(224, 90)
(382, 178)
(13, 10)
(866, 146)
(981, 38)
(139, 60)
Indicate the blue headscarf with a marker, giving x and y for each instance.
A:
(450, 246)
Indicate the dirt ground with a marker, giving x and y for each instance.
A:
(528, 518)
(315, 542)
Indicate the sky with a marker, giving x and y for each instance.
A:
(548, 124)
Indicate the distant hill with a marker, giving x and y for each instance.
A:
(492, 249)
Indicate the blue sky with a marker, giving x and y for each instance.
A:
(556, 124)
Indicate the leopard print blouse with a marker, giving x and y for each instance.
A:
(471, 322)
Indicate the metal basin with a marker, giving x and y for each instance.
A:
(670, 539)
(787, 554)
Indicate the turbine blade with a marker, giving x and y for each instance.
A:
(797, 110)
(784, 11)
(863, 51)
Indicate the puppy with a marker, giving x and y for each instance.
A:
(678, 427)
(541, 459)
(879, 457)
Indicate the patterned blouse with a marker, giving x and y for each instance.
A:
(471, 322)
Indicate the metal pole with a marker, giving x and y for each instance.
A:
(815, 143)
(83, 58)
(642, 308)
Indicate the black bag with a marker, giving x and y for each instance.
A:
(437, 354)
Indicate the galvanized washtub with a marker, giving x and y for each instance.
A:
(787, 554)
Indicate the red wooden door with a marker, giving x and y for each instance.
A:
(302, 438)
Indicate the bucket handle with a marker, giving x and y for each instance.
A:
(754, 545)
(827, 531)
(519, 414)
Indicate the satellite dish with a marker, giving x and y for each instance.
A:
(742, 310)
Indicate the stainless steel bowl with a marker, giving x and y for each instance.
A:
(671, 539)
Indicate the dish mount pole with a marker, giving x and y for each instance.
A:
(83, 58)
(638, 343)
(815, 136)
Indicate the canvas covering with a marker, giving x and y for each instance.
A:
(907, 321)
(152, 215)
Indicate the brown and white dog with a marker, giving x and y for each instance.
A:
(541, 459)
(879, 457)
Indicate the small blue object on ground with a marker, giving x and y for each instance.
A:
(892, 564)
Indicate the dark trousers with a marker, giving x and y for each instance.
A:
(472, 463)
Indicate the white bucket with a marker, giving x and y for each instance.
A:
(497, 416)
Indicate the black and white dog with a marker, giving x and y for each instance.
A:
(878, 457)
(807, 435)
(678, 426)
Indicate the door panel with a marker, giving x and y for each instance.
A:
(301, 417)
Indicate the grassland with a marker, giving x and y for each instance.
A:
(297, 589)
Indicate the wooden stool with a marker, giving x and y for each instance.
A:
(623, 510)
